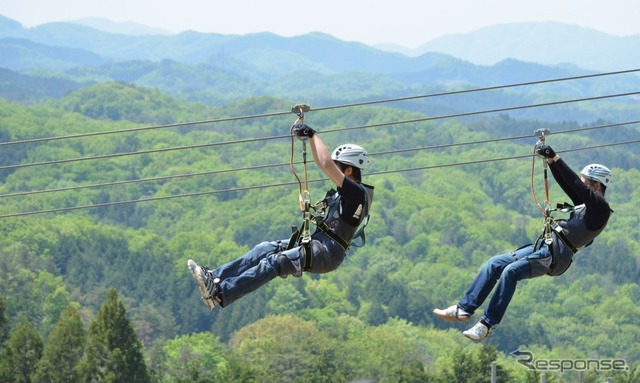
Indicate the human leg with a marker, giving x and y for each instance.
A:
(525, 266)
(249, 259)
(504, 291)
(266, 261)
(482, 285)
(251, 264)
(327, 254)
(511, 274)
(487, 278)
(270, 265)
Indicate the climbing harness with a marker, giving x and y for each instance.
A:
(328, 209)
(550, 224)
(301, 236)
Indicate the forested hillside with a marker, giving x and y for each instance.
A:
(122, 157)
(108, 189)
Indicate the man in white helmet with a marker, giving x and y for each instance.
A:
(553, 257)
(345, 211)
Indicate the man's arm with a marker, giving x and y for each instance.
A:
(564, 176)
(567, 180)
(598, 209)
(323, 159)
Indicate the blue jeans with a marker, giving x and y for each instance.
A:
(268, 260)
(505, 270)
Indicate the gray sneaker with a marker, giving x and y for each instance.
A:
(477, 332)
(452, 313)
(208, 285)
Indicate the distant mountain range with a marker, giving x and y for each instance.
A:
(123, 28)
(54, 59)
(546, 43)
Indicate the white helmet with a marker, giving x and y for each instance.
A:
(351, 154)
(597, 172)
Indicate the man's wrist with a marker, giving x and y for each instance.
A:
(554, 159)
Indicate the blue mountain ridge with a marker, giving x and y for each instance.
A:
(546, 43)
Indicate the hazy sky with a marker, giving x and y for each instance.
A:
(405, 22)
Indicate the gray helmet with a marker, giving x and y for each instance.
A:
(351, 154)
(597, 172)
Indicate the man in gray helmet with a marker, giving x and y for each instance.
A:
(552, 257)
(345, 211)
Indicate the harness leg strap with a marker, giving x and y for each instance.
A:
(307, 252)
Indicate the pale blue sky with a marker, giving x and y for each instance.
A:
(405, 22)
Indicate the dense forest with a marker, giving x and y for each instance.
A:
(106, 193)
(122, 157)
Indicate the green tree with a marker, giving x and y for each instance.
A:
(393, 351)
(630, 376)
(195, 358)
(286, 300)
(413, 372)
(21, 354)
(64, 350)
(114, 353)
(48, 299)
(470, 365)
(286, 349)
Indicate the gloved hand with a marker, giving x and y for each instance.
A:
(545, 151)
(303, 131)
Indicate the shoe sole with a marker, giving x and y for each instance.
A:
(476, 339)
(472, 338)
(196, 273)
(460, 318)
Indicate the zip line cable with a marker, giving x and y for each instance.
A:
(424, 119)
(275, 114)
(213, 192)
(287, 136)
(429, 167)
(141, 180)
(486, 111)
(497, 87)
(498, 139)
(269, 166)
(143, 128)
(150, 151)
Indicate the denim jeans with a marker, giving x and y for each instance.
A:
(268, 260)
(505, 270)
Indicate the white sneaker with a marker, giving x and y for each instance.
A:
(477, 332)
(207, 284)
(453, 313)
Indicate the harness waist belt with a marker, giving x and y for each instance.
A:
(560, 233)
(325, 229)
(567, 242)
